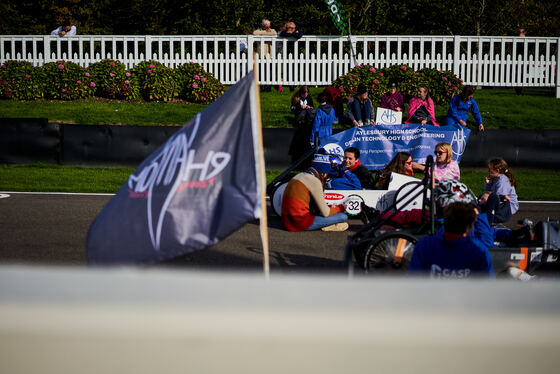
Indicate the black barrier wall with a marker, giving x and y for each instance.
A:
(31, 140)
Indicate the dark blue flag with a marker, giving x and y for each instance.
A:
(193, 191)
(380, 143)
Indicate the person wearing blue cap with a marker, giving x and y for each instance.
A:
(303, 203)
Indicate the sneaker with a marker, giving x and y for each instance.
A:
(342, 226)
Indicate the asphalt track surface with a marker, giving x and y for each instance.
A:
(51, 229)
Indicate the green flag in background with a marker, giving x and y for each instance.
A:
(337, 16)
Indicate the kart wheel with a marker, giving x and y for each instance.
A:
(391, 250)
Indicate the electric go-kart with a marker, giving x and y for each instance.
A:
(383, 247)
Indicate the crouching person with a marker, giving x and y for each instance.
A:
(303, 203)
(452, 253)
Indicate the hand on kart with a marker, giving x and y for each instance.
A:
(484, 198)
(463, 123)
(424, 121)
(481, 127)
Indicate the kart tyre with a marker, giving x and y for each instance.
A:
(391, 250)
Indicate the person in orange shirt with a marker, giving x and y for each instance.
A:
(303, 203)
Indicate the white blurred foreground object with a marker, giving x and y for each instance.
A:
(60, 320)
(519, 274)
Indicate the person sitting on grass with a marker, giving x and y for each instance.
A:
(459, 107)
(452, 253)
(303, 203)
(421, 108)
(360, 108)
(392, 99)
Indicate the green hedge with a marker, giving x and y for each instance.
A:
(149, 80)
(443, 85)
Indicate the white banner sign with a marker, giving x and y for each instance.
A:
(388, 117)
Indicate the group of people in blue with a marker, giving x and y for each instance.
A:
(460, 248)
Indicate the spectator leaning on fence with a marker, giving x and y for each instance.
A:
(265, 30)
(65, 30)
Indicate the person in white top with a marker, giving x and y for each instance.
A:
(65, 30)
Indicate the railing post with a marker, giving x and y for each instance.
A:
(250, 49)
(46, 49)
(557, 69)
(148, 47)
(456, 54)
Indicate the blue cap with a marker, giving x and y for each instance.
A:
(327, 163)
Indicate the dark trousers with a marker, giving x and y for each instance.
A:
(497, 209)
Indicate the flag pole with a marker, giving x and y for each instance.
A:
(264, 218)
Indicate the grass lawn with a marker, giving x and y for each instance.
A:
(532, 184)
(537, 108)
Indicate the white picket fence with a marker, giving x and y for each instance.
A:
(494, 61)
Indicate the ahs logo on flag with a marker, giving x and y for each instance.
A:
(171, 171)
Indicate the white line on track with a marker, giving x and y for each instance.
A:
(112, 194)
(56, 193)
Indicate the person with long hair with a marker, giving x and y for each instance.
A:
(421, 108)
(302, 105)
(445, 167)
(499, 200)
(402, 163)
(459, 107)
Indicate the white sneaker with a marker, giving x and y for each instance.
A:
(341, 226)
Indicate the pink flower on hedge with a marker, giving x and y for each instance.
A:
(111, 74)
(149, 71)
(351, 79)
(403, 67)
(358, 66)
(372, 70)
(86, 74)
(195, 85)
(416, 73)
(449, 84)
(61, 66)
(196, 77)
(203, 79)
(92, 84)
(444, 78)
(127, 74)
(111, 63)
(152, 66)
(126, 82)
(28, 76)
(455, 88)
(381, 74)
(79, 82)
(63, 90)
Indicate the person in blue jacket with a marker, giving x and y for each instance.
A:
(459, 107)
(452, 253)
(323, 120)
(346, 181)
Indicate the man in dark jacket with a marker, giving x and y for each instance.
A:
(352, 163)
